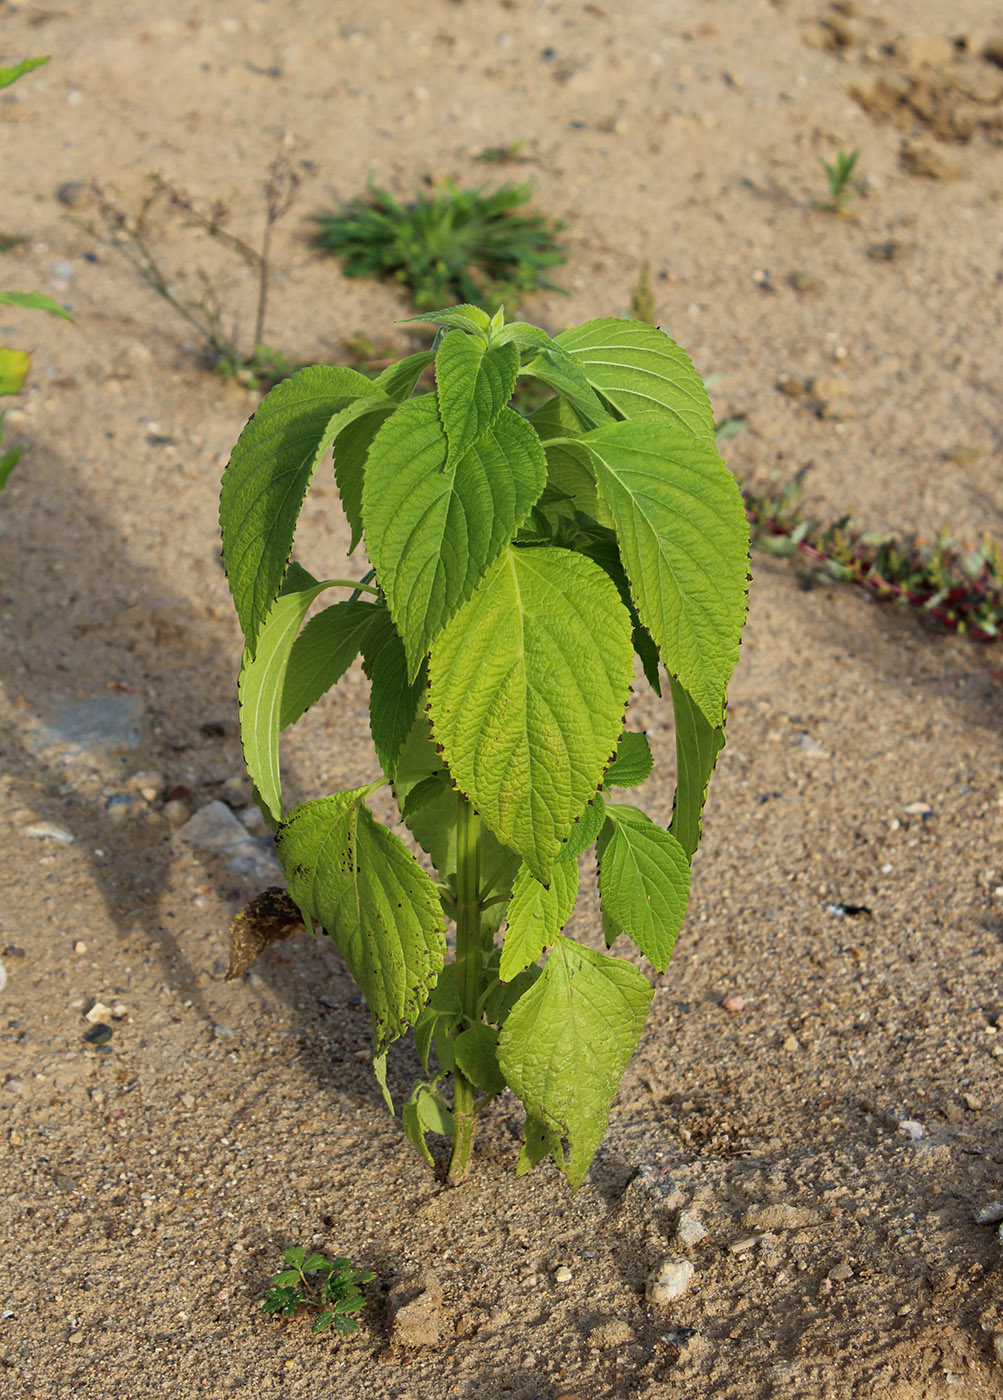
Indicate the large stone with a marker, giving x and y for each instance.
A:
(90, 731)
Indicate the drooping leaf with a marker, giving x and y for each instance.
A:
(14, 366)
(528, 686)
(565, 1046)
(698, 744)
(644, 882)
(267, 478)
(11, 75)
(269, 918)
(683, 537)
(362, 884)
(566, 376)
(474, 382)
(398, 379)
(323, 652)
(535, 916)
(641, 371)
(433, 532)
(351, 450)
(393, 699)
(260, 692)
(476, 1057)
(34, 301)
(632, 764)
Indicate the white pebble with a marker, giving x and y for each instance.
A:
(912, 1129)
(98, 1012)
(563, 1274)
(690, 1229)
(668, 1281)
(47, 831)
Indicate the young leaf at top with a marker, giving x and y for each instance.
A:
(632, 763)
(535, 916)
(644, 882)
(474, 383)
(684, 540)
(398, 379)
(562, 373)
(528, 685)
(463, 318)
(362, 884)
(268, 476)
(641, 371)
(431, 531)
(698, 744)
(565, 1045)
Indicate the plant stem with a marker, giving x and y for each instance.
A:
(468, 974)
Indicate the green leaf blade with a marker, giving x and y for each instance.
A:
(17, 70)
(535, 915)
(433, 531)
(267, 478)
(684, 539)
(34, 301)
(323, 652)
(565, 1046)
(641, 371)
(698, 744)
(361, 883)
(474, 383)
(644, 882)
(632, 764)
(528, 687)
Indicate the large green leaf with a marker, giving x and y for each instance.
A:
(565, 1046)
(684, 541)
(474, 383)
(260, 693)
(323, 652)
(267, 478)
(644, 882)
(698, 744)
(432, 531)
(528, 686)
(361, 883)
(34, 301)
(641, 371)
(535, 916)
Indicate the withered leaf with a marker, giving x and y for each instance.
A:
(270, 917)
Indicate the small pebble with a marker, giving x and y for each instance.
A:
(690, 1229)
(3, 977)
(733, 1002)
(744, 1244)
(80, 946)
(98, 1012)
(912, 1129)
(668, 1281)
(187, 1100)
(991, 1214)
(791, 1044)
(224, 1032)
(918, 809)
(563, 1274)
(99, 1034)
(48, 831)
(841, 1273)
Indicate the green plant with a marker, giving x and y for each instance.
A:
(133, 236)
(14, 364)
(839, 174)
(959, 588)
(518, 564)
(329, 1286)
(642, 298)
(455, 244)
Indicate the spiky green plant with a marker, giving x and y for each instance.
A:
(452, 245)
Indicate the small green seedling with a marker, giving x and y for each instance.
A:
(328, 1286)
(521, 568)
(839, 174)
(455, 244)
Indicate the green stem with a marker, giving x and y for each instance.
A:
(468, 975)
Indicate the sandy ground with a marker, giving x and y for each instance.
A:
(150, 1183)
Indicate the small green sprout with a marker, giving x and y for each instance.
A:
(329, 1286)
(839, 174)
